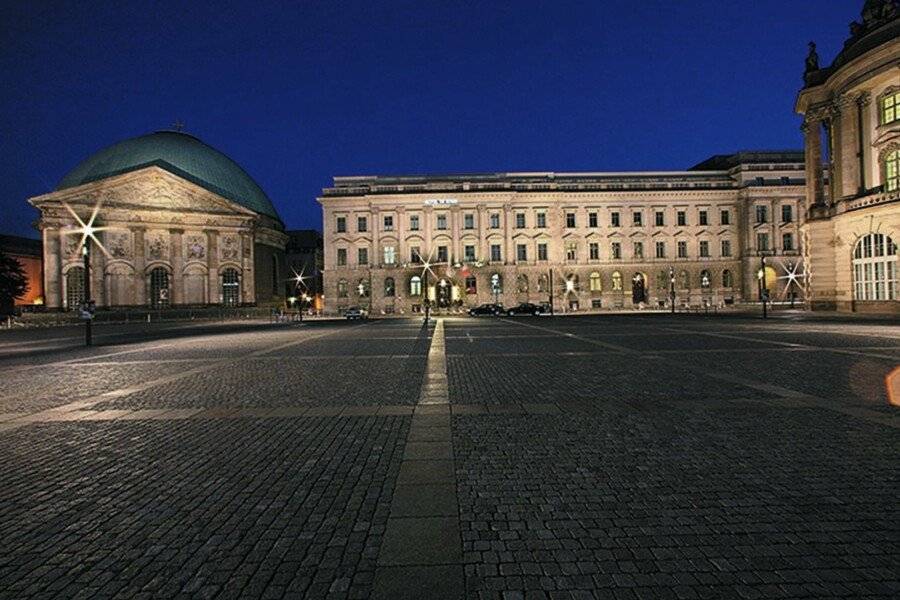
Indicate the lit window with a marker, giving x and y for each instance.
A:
(390, 255)
(892, 171)
(705, 279)
(596, 283)
(571, 251)
(617, 281)
(415, 286)
(231, 287)
(875, 268)
(890, 108)
(471, 284)
(496, 284)
(75, 287)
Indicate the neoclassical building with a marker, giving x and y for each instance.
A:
(179, 224)
(851, 123)
(593, 240)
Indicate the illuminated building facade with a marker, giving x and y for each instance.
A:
(599, 240)
(180, 224)
(851, 125)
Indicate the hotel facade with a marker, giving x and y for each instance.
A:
(585, 241)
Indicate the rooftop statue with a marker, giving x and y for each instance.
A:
(812, 59)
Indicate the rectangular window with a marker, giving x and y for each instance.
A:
(762, 214)
(660, 218)
(362, 256)
(592, 219)
(542, 220)
(495, 220)
(390, 255)
(342, 257)
(726, 247)
(469, 253)
(637, 219)
(340, 225)
(660, 249)
(725, 217)
(415, 256)
(520, 220)
(890, 108)
(704, 249)
(704, 219)
(388, 222)
(594, 251)
(362, 224)
(495, 253)
(468, 221)
(682, 218)
(787, 213)
(682, 249)
(614, 219)
(521, 252)
(414, 222)
(787, 241)
(762, 241)
(571, 251)
(442, 255)
(542, 251)
(441, 222)
(639, 249)
(570, 220)
(616, 251)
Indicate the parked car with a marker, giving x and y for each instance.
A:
(355, 312)
(526, 308)
(487, 309)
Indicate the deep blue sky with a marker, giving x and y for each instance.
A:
(297, 92)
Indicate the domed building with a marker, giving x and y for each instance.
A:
(178, 224)
(851, 123)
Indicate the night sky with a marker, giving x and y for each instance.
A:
(297, 95)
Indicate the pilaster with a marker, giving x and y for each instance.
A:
(176, 254)
(214, 295)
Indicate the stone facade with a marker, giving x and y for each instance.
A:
(593, 237)
(852, 136)
(151, 222)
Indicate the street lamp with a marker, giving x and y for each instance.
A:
(704, 283)
(88, 232)
(761, 277)
(672, 288)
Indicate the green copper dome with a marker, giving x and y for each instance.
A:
(181, 154)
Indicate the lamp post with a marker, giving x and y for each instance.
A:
(763, 291)
(86, 307)
(551, 292)
(672, 288)
(704, 283)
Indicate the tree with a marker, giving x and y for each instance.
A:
(13, 282)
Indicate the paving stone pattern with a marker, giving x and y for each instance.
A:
(643, 456)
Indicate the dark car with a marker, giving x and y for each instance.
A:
(487, 309)
(526, 308)
(355, 313)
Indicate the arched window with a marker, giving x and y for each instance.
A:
(543, 284)
(389, 288)
(685, 280)
(522, 283)
(596, 283)
(342, 289)
(362, 288)
(74, 287)
(231, 287)
(159, 288)
(662, 280)
(415, 286)
(875, 268)
(727, 280)
(496, 284)
(471, 284)
(705, 279)
(617, 281)
(892, 171)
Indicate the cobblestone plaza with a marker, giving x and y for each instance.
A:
(640, 456)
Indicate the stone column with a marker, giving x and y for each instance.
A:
(140, 265)
(507, 237)
(248, 280)
(428, 217)
(214, 290)
(98, 273)
(815, 190)
(176, 255)
(375, 256)
(52, 267)
(402, 247)
(482, 252)
(455, 254)
(862, 102)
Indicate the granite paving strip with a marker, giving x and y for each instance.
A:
(421, 555)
